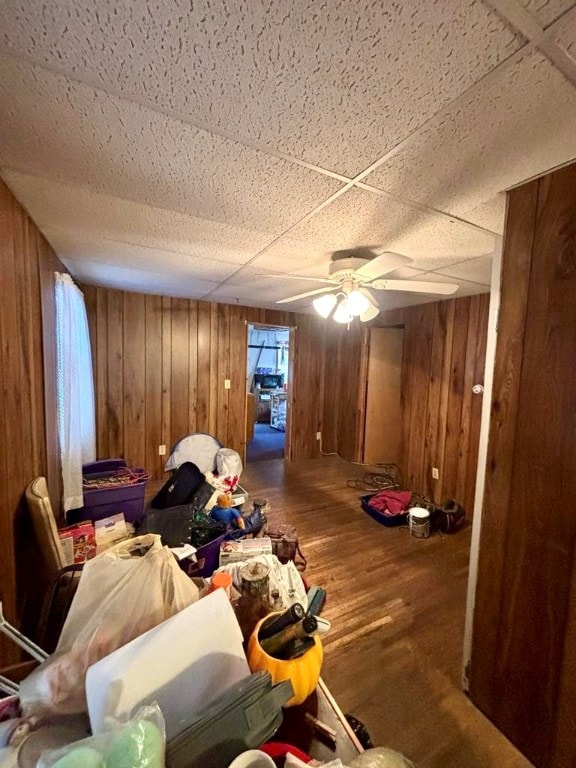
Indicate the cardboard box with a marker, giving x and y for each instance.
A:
(110, 530)
(243, 549)
(78, 543)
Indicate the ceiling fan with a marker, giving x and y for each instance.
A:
(351, 274)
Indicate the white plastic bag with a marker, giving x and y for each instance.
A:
(123, 592)
(138, 743)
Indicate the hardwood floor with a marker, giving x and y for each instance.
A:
(396, 603)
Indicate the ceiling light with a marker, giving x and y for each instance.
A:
(369, 313)
(324, 304)
(342, 313)
(357, 303)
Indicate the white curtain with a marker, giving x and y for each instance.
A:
(76, 419)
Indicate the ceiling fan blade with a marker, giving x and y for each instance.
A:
(370, 297)
(305, 295)
(415, 286)
(301, 277)
(381, 265)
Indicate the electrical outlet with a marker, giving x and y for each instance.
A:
(161, 450)
(435, 474)
(226, 383)
(318, 435)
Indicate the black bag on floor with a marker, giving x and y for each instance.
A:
(181, 525)
(181, 488)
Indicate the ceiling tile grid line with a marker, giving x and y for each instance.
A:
(422, 207)
(544, 37)
(317, 169)
(524, 22)
(304, 219)
(236, 139)
(403, 208)
(171, 113)
(223, 134)
(153, 249)
(525, 25)
(312, 62)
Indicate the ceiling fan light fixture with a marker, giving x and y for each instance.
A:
(369, 314)
(342, 313)
(324, 304)
(357, 303)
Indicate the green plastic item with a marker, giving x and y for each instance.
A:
(81, 757)
(138, 744)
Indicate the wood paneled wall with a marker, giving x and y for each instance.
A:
(444, 356)
(523, 666)
(28, 437)
(160, 365)
(345, 390)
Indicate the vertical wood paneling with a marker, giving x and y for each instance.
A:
(115, 383)
(539, 555)
(223, 372)
(527, 567)
(203, 373)
(179, 369)
(434, 391)
(237, 395)
(134, 344)
(193, 367)
(516, 260)
(444, 354)
(27, 406)
(345, 390)
(438, 452)
(467, 397)
(213, 372)
(100, 360)
(153, 385)
(171, 381)
(168, 438)
(476, 411)
(452, 461)
(414, 473)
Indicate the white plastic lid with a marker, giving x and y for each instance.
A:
(419, 512)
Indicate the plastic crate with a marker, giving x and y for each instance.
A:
(388, 520)
(207, 558)
(104, 502)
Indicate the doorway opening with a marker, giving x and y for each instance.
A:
(267, 388)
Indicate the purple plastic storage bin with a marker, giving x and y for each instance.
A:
(104, 502)
(207, 559)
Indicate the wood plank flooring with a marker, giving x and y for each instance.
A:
(396, 603)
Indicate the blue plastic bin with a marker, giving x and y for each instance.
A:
(388, 520)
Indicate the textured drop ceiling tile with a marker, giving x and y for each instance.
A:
(512, 128)
(361, 218)
(476, 270)
(54, 127)
(490, 214)
(95, 215)
(122, 278)
(71, 246)
(248, 283)
(337, 83)
(566, 38)
(289, 256)
(547, 11)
